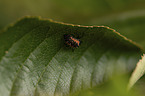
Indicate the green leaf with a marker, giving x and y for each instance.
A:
(138, 72)
(35, 61)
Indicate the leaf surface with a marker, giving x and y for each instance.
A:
(34, 59)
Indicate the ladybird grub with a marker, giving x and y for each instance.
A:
(71, 41)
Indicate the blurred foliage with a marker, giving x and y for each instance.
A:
(140, 86)
(71, 11)
(116, 86)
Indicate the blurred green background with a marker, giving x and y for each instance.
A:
(125, 16)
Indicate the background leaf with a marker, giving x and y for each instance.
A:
(138, 72)
(116, 86)
(35, 61)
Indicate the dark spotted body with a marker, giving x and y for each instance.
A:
(71, 41)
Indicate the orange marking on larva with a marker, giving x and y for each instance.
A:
(75, 40)
(71, 41)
